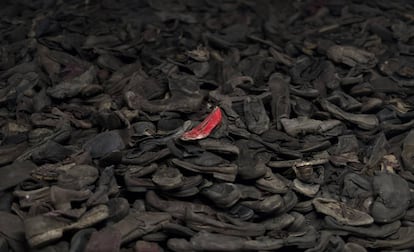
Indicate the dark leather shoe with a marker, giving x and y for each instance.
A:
(174, 207)
(168, 178)
(137, 224)
(392, 197)
(222, 194)
(226, 172)
(42, 229)
(341, 212)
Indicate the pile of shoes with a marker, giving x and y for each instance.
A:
(236, 125)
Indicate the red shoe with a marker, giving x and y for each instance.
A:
(204, 129)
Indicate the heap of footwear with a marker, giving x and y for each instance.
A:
(209, 125)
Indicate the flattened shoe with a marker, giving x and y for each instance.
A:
(175, 207)
(241, 212)
(80, 239)
(278, 223)
(226, 172)
(32, 197)
(306, 189)
(134, 184)
(145, 246)
(168, 178)
(108, 239)
(255, 115)
(272, 183)
(206, 241)
(15, 173)
(188, 188)
(392, 197)
(270, 204)
(407, 154)
(222, 194)
(341, 212)
(372, 231)
(303, 239)
(202, 222)
(46, 228)
(137, 224)
(353, 247)
(219, 146)
(62, 198)
(402, 239)
(12, 230)
(250, 164)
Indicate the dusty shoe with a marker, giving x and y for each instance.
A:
(226, 172)
(269, 204)
(407, 155)
(328, 241)
(278, 223)
(354, 247)
(4, 246)
(205, 158)
(255, 114)
(234, 227)
(280, 105)
(250, 164)
(80, 239)
(222, 194)
(206, 241)
(250, 192)
(341, 212)
(107, 239)
(188, 187)
(106, 187)
(392, 197)
(305, 238)
(15, 173)
(219, 146)
(77, 177)
(344, 101)
(144, 158)
(351, 56)
(168, 178)
(144, 246)
(241, 212)
(62, 198)
(12, 230)
(364, 121)
(32, 197)
(139, 184)
(137, 224)
(46, 228)
(106, 142)
(174, 207)
(272, 183)
(304, 125)
(134, 181)
(175, 229)
(118, 209)
(50, 152)
(373, 230)
(179, 245)
(402, 239)
(309, 190)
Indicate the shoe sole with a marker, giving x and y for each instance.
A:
(95, 215)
